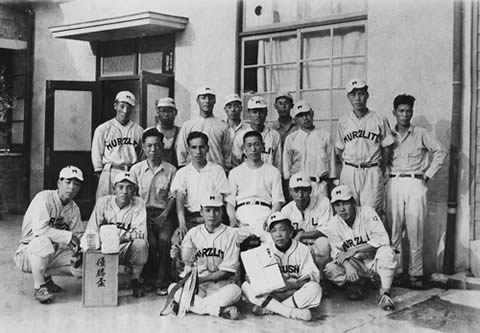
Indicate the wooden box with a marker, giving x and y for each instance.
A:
(100, 279)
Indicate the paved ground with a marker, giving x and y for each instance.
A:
(416, 311)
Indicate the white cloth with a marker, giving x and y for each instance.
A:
(315, 216)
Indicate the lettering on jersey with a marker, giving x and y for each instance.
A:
(314, 223)
(120, 225)
(361, 134)
(120, 142)
(268, 151)
(58, 223)
(209, 252)
(354, 242)
(290, 269)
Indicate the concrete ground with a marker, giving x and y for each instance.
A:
(417, 311)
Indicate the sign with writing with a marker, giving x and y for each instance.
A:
(100, 279)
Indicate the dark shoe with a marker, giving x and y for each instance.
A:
(386, 302)
(43, 295)
(137, 288)
(355, 291)
(160, 291)
(230, 312)
(416, 282)
(52, 286)
(401, 280)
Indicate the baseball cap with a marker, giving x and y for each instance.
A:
(125, 96)
(124, 176)
(257, 102)
(299, 180)
(232, 98)
(284, 94)
(212, 200)
(277, 217)
(301, 107)
(166, 102)
(355, 84)
(71, 171)
(205, 91)
(341, 193)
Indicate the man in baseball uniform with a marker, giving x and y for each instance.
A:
(154, 178)
(50, 235)
(116, 144)
(363, 141)
(309, 215)
(165, 117)
(128, 213)
(233, 109)
(309, 150)
(257, 189)
(302, 290)
(360, 248)
(213, 127)
(285, 124)
(272, 153)
(213, 246)
(410, 172)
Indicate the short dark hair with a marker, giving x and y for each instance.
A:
(403, 99)
(251, 134)
(196, 135)
(151, 132)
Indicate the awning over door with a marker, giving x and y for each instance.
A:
(122, 27)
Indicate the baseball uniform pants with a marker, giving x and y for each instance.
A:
(252, 221)
(134, 255)
(407, 209)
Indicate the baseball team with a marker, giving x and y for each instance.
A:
(210, 189)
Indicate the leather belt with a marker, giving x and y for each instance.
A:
(406, 175)
(318, 179)
(362, 165)
(122, 167)
(261, 203)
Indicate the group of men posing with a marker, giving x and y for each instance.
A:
(206, 190)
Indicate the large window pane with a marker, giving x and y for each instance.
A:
(118, 65)
(284, 49)
(316, 45)
(17, 133)
(154, 93)
(346, 69)
(320, 101)
(348, 41)
(151, 62)
(316, 75)
(284, 77)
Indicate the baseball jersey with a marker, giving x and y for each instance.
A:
(154, 185)
(132, 217)
(114, 143)
(361, 139)
(367, 228)
(195, 183)
(296, 262)
(411, 152)
(47, 216)
(218, 140)
(216, 251)
(263, 183)
(310, 152)
(272, 153)
(315, 216)
(233, 131)
(284, 130)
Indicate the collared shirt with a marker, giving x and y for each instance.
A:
(411, 152)
(154, 185)
(315, 216)
(114, 143)
(296, 262)
(284, 130)
(234, 130)
(367, 228)
(272, 153)
(263, 183)
(47, 216)
(361, 139)
(195, 184)
(132, 217)
(218, 140)
(310, 152)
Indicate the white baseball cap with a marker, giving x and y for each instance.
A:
(277, 217)
(166, 102)
(341, 193)
(301, 107)
(257, 102)
(231, 98)
(212, 200)
(355, 84)
(205, 91)
(284, 94)
(299, 180)
(70, 172)
(124, 176)
(125, 96)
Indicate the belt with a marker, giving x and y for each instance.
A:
(362, 165)
(261, 203)
(406, 175)
(318, 179)
(122, 167)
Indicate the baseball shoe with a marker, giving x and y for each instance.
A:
(355, 291)
(386, 303)
(230, 312)
(52, 286)
(137, 288)
(301, 314)
(259, 311)
(43, 295)
(160, 291)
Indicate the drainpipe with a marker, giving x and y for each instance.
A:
(448, 258)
